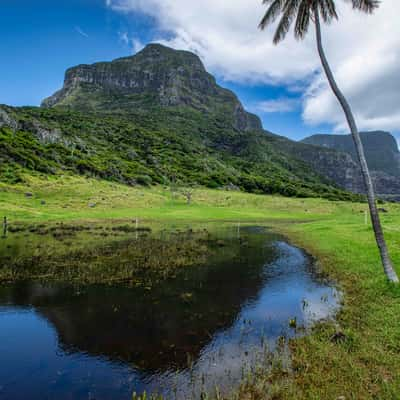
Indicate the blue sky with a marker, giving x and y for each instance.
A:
(41, 39)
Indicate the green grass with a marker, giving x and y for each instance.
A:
(364, 365)
(70, 197)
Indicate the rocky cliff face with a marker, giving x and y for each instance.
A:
(380, 147)
(338, 167)
(382, 155)
(156, 76)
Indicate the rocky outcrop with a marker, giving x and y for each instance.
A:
(380, 147)
(6, 119)
(336, 166)
(382, 155)
(157, 75)
(44, 134)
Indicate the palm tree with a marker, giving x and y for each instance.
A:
(301, 12)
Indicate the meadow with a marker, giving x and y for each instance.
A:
(355, 357)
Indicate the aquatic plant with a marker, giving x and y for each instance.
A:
(140, 260)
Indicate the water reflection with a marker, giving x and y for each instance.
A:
(201, 329)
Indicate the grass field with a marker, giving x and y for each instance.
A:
(76, 198)
(363, 362)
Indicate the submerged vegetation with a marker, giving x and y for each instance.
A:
(101, 254)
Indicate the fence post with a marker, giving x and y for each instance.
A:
(5, 227)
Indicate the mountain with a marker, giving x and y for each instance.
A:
(159, 117)
(380, 147)
(156, 76)
(382, 154)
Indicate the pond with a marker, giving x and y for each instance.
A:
(204, 328)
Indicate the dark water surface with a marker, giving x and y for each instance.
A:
(206, 327)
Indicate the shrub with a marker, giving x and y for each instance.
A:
(144, 180)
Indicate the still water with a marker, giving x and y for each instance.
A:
(207, 327)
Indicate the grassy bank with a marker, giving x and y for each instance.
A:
(72, 198)
(358, 357)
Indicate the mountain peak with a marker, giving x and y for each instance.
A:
(157, 76)
(159, 53)
(160, 49)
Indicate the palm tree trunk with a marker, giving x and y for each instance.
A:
(376, 223)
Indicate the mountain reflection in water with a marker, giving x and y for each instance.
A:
(203, 328)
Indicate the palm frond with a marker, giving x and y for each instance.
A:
(302, 20)
(367, 6)
(303, 11)
(289, 11)
(328, 10)
(272, 13)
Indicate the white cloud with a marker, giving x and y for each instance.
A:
(123, 36)
(135, 44)
(364, 52)
(81, 32)
(281, 105)
(367, 70)
(226, 36)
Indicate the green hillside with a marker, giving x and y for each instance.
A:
(180, 146)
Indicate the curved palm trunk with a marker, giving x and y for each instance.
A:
(376, 223)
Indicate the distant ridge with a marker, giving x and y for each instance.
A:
(380, 147)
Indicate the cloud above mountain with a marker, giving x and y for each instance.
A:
(364, 52)
(279, 105)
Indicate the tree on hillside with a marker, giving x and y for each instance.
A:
(302, 12)
(188, 193)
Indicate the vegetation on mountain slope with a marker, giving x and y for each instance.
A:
(178, 146)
